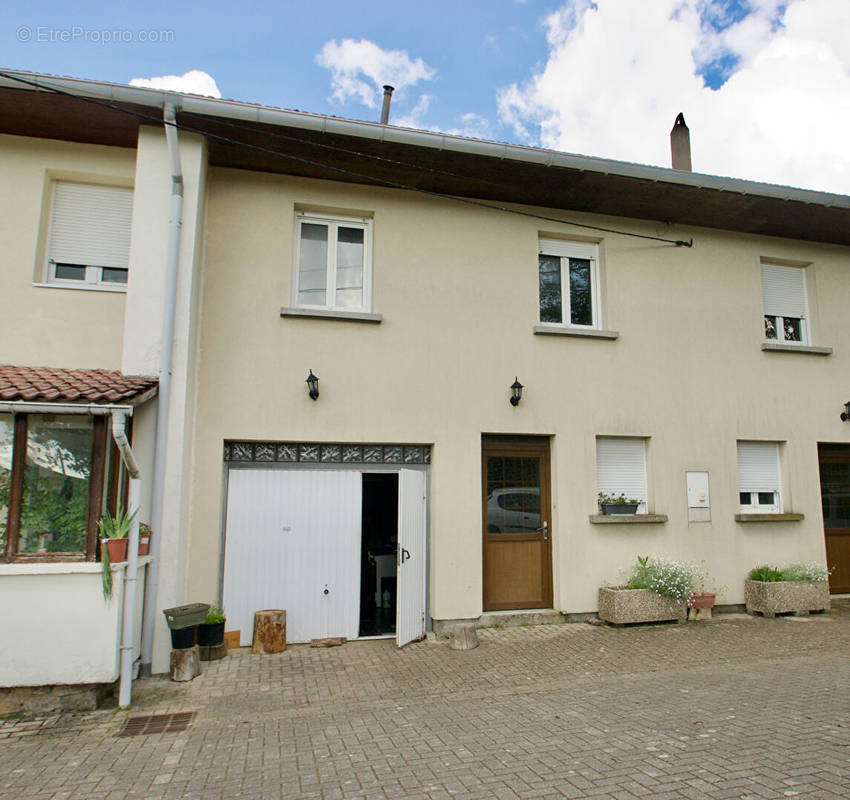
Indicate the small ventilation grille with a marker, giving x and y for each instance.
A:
(156, 723)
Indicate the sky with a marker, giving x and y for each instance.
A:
(764, 84)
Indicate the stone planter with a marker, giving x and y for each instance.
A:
(783, 597)
(626, 606)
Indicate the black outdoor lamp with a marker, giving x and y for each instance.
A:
(313, 386)
(516, 392)
(845, 415)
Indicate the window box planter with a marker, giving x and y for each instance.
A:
(619, 509)
(786, 597)
(627, 606)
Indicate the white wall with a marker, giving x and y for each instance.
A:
(57, 628)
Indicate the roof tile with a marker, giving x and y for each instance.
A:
(53, 385)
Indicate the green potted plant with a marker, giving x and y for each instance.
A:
(211, 630)
(797, 589)
(144, 538)
(617, 504)
(657, 590)
(113, 544)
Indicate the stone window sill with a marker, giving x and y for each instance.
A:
(320, 313)
(563, 330)
(84, 287)
(787, 517)
(627, 519)
(37, 567)
(778, 347)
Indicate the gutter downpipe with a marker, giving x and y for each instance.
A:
(175, 225)
(125, 690)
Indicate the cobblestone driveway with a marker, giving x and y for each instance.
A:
(734, 708)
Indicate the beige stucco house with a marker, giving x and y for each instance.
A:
(679, 338)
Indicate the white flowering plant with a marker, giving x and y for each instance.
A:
(664, 576)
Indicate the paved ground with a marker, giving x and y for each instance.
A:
(734, 708)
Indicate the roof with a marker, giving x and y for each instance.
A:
(52, 385)
(255, 137)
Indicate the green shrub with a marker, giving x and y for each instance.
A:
(765, 573)
(669, 578)
(215, 615)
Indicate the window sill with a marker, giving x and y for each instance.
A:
(627, 519)
(565, 330)
(319, 313)
(38, 567)
(779, 347)
(786, 517)
(85, 287)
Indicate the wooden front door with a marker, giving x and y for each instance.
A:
(835, 498)
(517, 525)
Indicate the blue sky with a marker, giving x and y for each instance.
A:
(600, 77)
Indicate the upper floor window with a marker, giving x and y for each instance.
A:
(759, 483)
(88, 243)
(785, 307)
(333, 263)
(569, 293)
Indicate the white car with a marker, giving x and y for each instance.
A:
(515, 509)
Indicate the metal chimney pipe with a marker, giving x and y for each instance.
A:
(680, 144)
(385, 111)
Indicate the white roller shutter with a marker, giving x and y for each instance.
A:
(621, 467)
(784, 291)
(90, 225)
(758, 467)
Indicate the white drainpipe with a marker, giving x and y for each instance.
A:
(128, 636)
(175, 224)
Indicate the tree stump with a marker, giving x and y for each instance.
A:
(185, 664)
(463, 636)
(269, 631)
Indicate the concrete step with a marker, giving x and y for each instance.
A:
(532, 616)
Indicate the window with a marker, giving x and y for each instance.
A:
(621, 468)
(759, 484)
(785, 312)
(568, 283)
(89, 238)
(333, 263)
(52, 473)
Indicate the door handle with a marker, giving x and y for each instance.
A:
(544, 529)
(403, 556)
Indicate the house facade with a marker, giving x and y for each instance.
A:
(678, 338)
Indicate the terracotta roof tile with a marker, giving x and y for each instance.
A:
(52, 385)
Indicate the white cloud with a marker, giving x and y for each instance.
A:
(474, 126)
(415, 117)
(360, 68)
(193, 82)
(618, 72)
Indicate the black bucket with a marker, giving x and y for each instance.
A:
(183, 638)
(210, 633)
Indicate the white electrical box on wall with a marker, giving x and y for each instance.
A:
(699, 501)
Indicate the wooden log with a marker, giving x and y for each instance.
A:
(185, 664)
(269, 631)
(463, 636)
(212, 652)
(331, 641)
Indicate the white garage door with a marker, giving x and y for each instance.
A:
(293, 542)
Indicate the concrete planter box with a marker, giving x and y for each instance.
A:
(625, 606)
(782, 597)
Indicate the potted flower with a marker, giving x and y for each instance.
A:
(211, 630)
(617, 504)
(113, 544)
(797, 589)
(144, 538)
(657, 590)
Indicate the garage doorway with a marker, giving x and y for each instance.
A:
(379, 554)
(293, 539)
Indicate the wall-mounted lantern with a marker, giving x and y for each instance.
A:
(845, 415)
(516, 392)
(313, 386)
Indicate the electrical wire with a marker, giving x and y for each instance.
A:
(341, 170)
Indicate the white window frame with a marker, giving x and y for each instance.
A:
(333, 221)
(565, 250)
(615, 487)
(93, 274)
(805, 333)
(755, 506)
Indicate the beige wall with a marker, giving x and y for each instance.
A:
(51, 326)
(457, 287)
